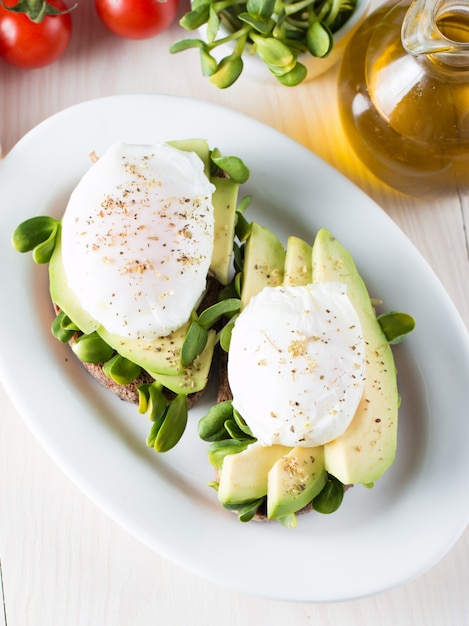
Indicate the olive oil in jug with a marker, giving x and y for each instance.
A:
(404, 95)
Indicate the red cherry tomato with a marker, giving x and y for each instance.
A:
(136, 19)
(28, 44)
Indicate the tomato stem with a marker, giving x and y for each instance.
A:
(36, 10)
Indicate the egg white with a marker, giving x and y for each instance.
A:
(137, 239)
(296, 364)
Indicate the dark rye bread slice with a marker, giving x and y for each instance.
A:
(129, 392)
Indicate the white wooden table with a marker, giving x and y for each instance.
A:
(64, 562)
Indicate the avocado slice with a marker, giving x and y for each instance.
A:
(243, 476)
(199, 146)
(224, 199)
(298, 263)
(163, 355)
(295, 480)
(63, 296)
(264, 261)
(367, 448)
(193, 378)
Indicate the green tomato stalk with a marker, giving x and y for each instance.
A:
(36, 10)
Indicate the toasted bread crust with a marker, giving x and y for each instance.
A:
(129, 392)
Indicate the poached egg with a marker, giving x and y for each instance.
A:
(137, 239)
(296, 364)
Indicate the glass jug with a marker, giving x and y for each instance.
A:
(404, 95)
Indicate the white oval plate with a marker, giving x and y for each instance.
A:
(378, 538)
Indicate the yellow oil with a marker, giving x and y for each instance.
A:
(407, 117)
(454, 26)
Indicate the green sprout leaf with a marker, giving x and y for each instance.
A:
(195, 18)
(243, 205)
(234, 430)
(210, 316)
(330, 497)
(225, 337)
(186, 44)
(240, 421)
(319, 39)
(194, 343)
(121, 370)
(396, 325)
(261, 25)
(208, 63)
(63, 328)
(158, 406)
(288, 521)
(154, 430)
(152, 400)
(294, 77)
(37, 234)
(174, 424)
(219, 449)
(144, 397)
(211, 426)
(228, 72)
(262, 9)
(213, 25)
(247, 512)
(231, 165)
(92, 349)
(273, 52)
(243, 226)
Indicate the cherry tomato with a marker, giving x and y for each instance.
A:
(29, 44)
(136, 19)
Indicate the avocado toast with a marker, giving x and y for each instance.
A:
(276, 481)
(164, 373)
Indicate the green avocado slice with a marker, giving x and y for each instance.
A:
(243, 476)
(367, 448)
(295, 480)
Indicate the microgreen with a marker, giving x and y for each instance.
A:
(37, 234)
(211, 427)
(247, 512)
(231, 165)
(152, 400)
(225, 336)
(194, 343)
(219, 449)
(121, 370)
(197, 334)
(63, 328)
(168, 417)
(288, 521)
(92, 349)
(330, 497)
(278, 31)
(173, 425)
(396, 325)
